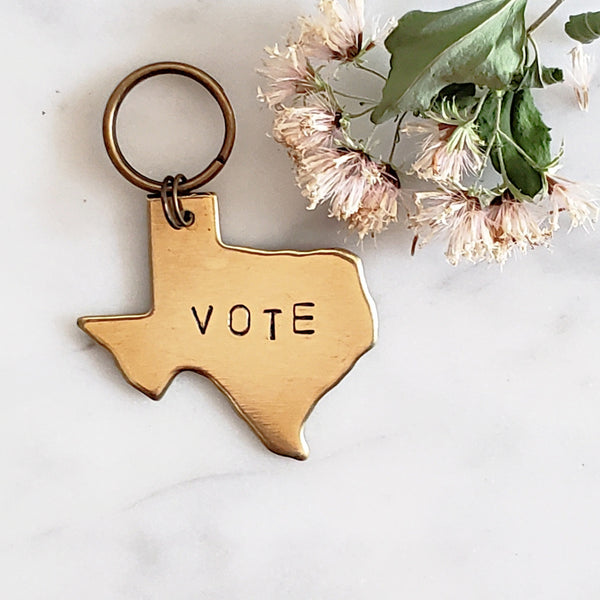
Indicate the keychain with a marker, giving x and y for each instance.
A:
(274, 331)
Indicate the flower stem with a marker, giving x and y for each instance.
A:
(522, 152)
(358, 98)
(372, 71)
(396, 137)
(493, 141)
(360, 114)
(544, 16)
(479, 107)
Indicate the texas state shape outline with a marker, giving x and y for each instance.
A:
(185, 255)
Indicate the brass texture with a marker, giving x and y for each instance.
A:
(273, 330)
(109, 124)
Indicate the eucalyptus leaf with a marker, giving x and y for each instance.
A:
(520, 141)
(584, 28)
(481, 43)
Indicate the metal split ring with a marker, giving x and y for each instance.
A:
(175, 214)
(179, 183)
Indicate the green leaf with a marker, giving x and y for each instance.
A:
(486, 122)
(537, 77)
(458, 91)
(461, 95)
(584, 28)
(551, 75)
(481, 43)
(520, 140)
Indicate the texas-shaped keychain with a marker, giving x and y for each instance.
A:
(274, 331)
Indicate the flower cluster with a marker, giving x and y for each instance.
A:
(465, 133)
(492, 233)
(313, 123)
(483, 225)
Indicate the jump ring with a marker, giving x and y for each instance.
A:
(185, 217)
(110, 120)
(166, 196)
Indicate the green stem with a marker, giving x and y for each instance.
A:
(360, 114)
(396, 137)
(479, 107)
(544, 16)
(516, 192)
(494, 137)
(522, 152)
(494, 140)
(357, 98)
(537, 57)
(330, 95)
(372, 71)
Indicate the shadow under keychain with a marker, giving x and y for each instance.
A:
(274, 331)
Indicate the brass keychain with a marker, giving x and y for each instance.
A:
(274, 331)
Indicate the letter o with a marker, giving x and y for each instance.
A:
(246, 329)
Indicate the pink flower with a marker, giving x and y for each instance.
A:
(307, 128)
(357, 188)
(448, 153)
(580, 202)
(460, 215)
(289, 74)
(476, 233)
(517, 227)
(338, 32)
(378, 208)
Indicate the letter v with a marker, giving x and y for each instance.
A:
(203, 326)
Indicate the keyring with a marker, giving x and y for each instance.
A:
(109, 125)
(252, 321)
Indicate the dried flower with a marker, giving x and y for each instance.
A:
(307, 128)
(356, 187)
(312, 120)
(448, 152)
(516, 227)
(337, 34)
(581, 76)
(454, 211)
(580, 202)
(289, 74)
(379, 207)
(476, 233)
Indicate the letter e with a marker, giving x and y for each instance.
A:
(298, 317)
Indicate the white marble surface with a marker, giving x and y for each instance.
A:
(461, 457)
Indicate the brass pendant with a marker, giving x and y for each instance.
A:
(273, 330)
